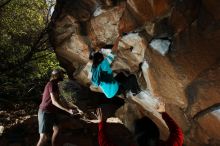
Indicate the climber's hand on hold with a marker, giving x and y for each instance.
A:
(70, 111)
(99, 114)
(73, 111)
(120, 34)
(161, 107)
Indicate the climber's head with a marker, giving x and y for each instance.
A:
(97, 59)
(57, 74)
(146, 132)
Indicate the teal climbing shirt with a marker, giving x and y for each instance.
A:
(102, 76)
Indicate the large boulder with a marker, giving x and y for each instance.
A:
(186, 76)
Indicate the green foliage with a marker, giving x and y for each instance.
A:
(21, 21)
(26, 60)
(69, 91)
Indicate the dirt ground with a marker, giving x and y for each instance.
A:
(18, 123)
(14, 113)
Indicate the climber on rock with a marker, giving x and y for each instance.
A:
(146, 132)
(50, 114)
(102, 75)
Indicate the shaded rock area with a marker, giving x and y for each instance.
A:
(186, 77)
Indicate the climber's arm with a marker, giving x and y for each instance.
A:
(56, 103)
(102, 137)
(176, 134)
(109, 56)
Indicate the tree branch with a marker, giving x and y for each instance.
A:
(29, 55)
(33, 59)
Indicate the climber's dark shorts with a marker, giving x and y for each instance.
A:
(127, 83)
(46, 121)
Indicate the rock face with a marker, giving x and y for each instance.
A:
(187, 77)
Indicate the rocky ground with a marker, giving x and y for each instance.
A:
(19, 127)
(18, 123)
(15, 113)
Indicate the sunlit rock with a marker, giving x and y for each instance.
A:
(104, 28)
(75, 51)
(162, 46)
(129, 58)
(98, 11)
